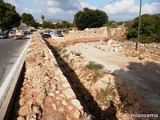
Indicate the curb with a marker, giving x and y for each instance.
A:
(9, 86)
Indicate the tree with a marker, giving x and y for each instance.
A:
(47, 25)
(89, 18)
(65, 24)
(1, 2)
(8, 16)
(34, 24)
(42, 17)
(27, 18)
(150, 28)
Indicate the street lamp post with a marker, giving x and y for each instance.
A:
(139, 25)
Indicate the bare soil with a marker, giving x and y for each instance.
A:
(131, 83)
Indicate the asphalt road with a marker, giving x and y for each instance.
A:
(10, 50)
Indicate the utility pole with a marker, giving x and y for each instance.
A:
(139, 24)
(74, 21)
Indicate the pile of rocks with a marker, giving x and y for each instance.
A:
(109, 46)
(145, 51)
(45, 93)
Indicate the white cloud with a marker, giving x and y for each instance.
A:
(52, 3)
(27, 10)
(67, 6)
(128, 7)
(16, 3)
(151, 8)
(54, 10)
(31, 11)
(84, 4)
(120, 9)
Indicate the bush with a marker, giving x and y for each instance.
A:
(132, 33)
(94, 66)
(96, 70)
(150, 29)
(103, 95)
(111, 24)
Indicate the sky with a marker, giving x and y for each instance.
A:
(118, 10)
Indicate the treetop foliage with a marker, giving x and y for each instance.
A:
(9, 17)
(28, 19)
(42, 17)
(89, 18)
(63, 24)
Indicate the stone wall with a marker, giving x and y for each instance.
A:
(45, 94)
(96, 33)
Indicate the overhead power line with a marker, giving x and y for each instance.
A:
(100, 6)
(106, 4)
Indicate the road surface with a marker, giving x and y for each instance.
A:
(10, 50)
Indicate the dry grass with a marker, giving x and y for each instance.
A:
(94, 66)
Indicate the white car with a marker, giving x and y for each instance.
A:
(56, 34)
(11, 33)
(19, 34)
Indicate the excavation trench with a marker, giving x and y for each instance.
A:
(14, 104)
(83, 95)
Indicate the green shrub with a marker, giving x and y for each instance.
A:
(103, 96)
(96, 70)
(94, 66)
(132, 33)
(111, 24)
(150, 29)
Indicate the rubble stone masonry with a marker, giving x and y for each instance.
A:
(96, 33)
(45, 93)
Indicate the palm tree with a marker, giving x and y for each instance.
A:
(42, 17)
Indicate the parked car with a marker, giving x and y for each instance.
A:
(59, 34)
(11, 33)
(2, 36)
(56, 34)
(19, 34)
(46, 35)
